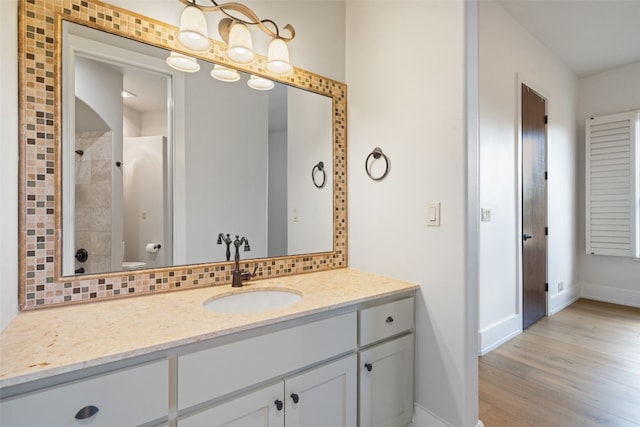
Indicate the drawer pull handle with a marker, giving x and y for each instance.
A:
(389, 319)
(87, 412)
(279, 405)
(295, 397)
(369, 366)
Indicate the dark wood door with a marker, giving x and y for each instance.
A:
(534, 207)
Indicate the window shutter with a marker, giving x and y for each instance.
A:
(611, 181)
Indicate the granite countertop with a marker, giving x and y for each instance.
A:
(42, 343)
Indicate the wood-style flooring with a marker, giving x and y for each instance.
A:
(579, 367)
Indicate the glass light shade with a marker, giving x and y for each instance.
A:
(222, 73)
(183, 63)
(240, 48)
(259, 83)
(278, 58)
(193, 30)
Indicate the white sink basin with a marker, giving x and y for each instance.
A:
(252, 301)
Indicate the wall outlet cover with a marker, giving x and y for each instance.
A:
(485, 214)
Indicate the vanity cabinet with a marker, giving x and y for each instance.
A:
(386, 364)
(352, 366)
(212, 373)
(321, 397)
(127, 397)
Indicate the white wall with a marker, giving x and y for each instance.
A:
(145, 163)
(132, 122)
(508, 55)
(154, 123)
(8, 161)
(309, 141)
(606, 278)
(406, 78)
(277, 194)
(226, 142)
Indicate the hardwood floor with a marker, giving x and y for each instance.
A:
(579, 367)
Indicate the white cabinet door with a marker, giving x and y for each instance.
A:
(323, 397)
(263, 407)
(128, 397)
(386, 384)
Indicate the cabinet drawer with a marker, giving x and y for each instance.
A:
(212, 373)
(128, 397)
(386, 320)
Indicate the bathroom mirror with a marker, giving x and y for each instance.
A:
(48, 255)
(157, 163)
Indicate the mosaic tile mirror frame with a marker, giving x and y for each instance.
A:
(41, 283)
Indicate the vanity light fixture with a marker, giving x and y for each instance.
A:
(193, 29)
(234, 30)
(278, 58)
(225, 74)
(259, 83)
(183, 63)
(240, 48)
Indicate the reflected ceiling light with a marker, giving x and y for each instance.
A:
(234, 30)
(183, 63)
(225, 74)
(193, 33)
(128, 94)
(260, 83)
(278, 58)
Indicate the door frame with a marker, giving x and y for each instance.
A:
(524, 79)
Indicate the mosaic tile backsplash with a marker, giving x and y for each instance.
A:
(41, 284)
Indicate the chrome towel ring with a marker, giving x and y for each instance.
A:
(319, 168)
(376, 154)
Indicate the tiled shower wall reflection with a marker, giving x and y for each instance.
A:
(93, 200)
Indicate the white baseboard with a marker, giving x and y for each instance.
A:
(609, 294)
(424, 418)
(500, 332)
(563, 299)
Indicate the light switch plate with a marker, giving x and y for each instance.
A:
(433, 214)
(485, 214)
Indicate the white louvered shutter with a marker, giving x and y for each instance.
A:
(611, 181)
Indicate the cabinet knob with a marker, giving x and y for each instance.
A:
(87, 412)
(295, 397)
(369, 366)
(389, 319)
(279, 404)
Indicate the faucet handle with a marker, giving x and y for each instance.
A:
(247, 275)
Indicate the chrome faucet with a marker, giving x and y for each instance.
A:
(240, 276)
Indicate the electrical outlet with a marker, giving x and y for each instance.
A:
(560, 286)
